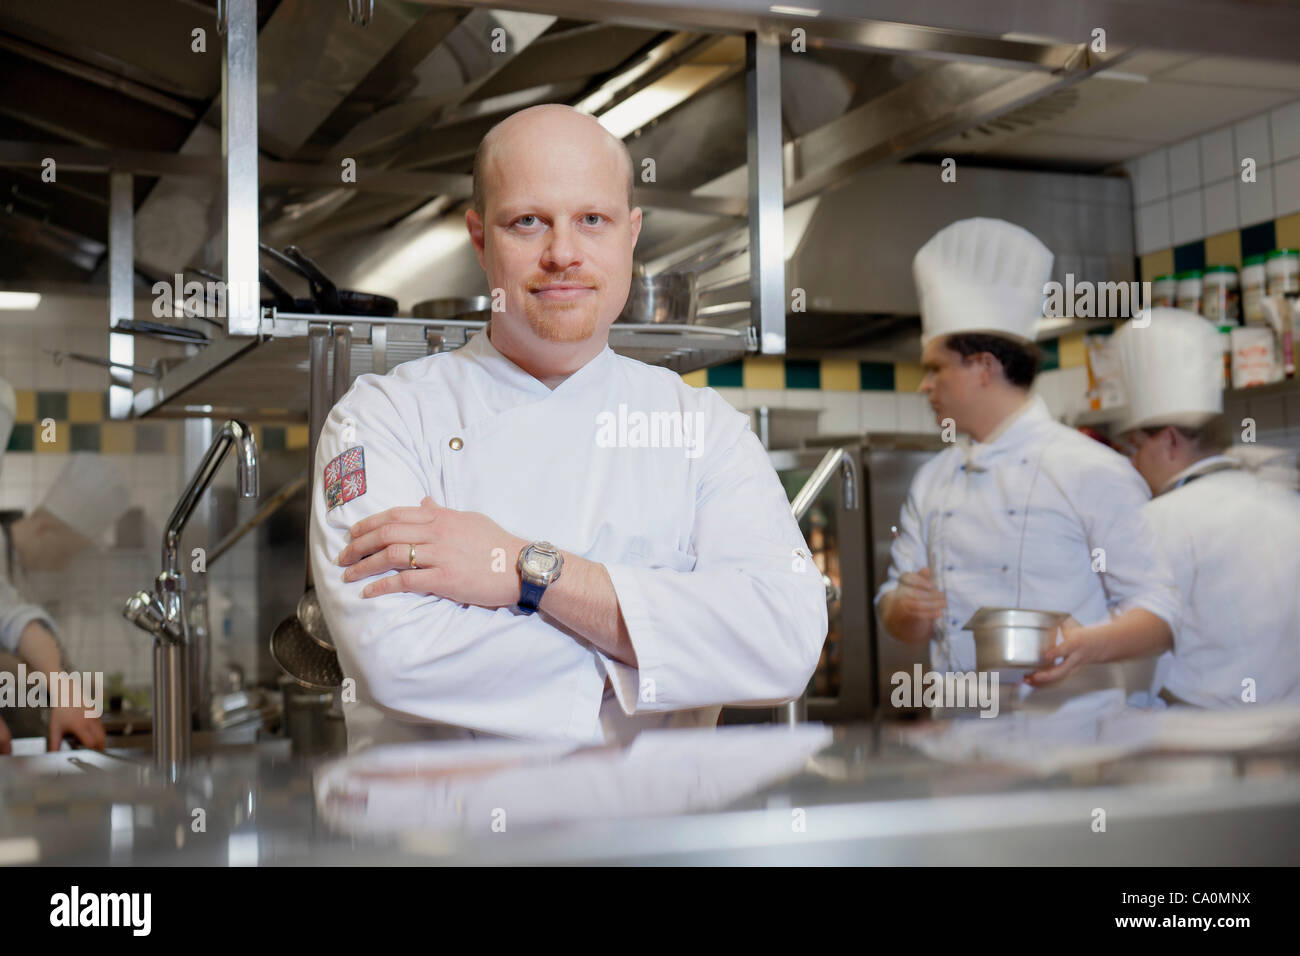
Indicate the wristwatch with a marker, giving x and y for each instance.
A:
(539, 565)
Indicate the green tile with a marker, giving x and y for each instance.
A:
(803, 373)
(273, 438)
(85, 437)
(876, 376)
(52, 405)
(22, 438)
(727, 375)
(1051, 354)
(150, 438)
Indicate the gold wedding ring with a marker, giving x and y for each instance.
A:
(413, 564)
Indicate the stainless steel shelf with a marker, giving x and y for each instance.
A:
(266, 376)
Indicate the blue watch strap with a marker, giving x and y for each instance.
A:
(530, 595)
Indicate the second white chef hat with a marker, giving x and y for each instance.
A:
(1173, 370)
(981, 275)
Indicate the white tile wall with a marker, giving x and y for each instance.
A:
(1255, 200)
(1286, 187)
(1193, 189)
(1285, 125)
(1187, 216)
(1220, 207)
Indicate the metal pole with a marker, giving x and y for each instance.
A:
(121, 290)
(766, 190)
(239, 157)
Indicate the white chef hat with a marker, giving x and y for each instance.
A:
(1173, 370)
(89, 494)
(981, 275)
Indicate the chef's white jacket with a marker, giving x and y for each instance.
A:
(1020, 520)
(1233, 541)
(16, 614)
(721, 602)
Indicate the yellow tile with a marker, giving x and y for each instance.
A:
(1157, 264)
(764, 371)
(841, 375)
(1072, 353)
(117, 438)
(85, 406)
(907, 376)
(697, 379)
(1288, 231)
(1223, 249)
(60, 432)
(297, 436)
(26, 402)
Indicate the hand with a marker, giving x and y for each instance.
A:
(73, 720)
(1078, 646)
(6, 741)
(457, 553)
(915, 605)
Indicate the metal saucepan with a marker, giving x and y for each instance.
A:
(471, 308)
(329, 298)
(667, 298)
(1009, 638)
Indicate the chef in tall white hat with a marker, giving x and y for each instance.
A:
(1021, 511)
(1230, 536)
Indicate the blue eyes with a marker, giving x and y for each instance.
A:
(590, 219)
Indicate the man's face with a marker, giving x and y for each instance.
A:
(556, 234)
(951, 384)
(1151, 455)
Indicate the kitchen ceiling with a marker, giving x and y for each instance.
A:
(412, 93)
(1149, 100)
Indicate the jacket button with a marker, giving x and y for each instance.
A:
(456, 444)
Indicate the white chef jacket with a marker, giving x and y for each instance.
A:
(1233, 541)
(711, 571)
(1014, 521)
(16, 614)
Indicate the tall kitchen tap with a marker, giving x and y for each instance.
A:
(164, 613)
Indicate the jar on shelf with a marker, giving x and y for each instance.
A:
(1253, 283)
(1164, 291)
(1189, 290)
(1282, 268)
(1219, 295)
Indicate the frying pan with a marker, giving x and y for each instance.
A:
(329, 298)
(281, 298)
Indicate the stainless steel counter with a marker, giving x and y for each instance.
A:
(812, 795)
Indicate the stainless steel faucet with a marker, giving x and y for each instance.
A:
(164, 613)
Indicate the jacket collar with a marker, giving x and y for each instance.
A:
(1010, 432)
(505, 372)
(1199, 469)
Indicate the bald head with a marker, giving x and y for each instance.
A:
(521, 133)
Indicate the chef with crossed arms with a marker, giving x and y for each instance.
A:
(487, 566)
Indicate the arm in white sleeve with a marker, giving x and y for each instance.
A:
(907, 553)
(1136, 572)
(16, 614)
(419, 657)
(747, 623)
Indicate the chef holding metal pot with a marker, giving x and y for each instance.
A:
(1231, 537)
(1021, 511)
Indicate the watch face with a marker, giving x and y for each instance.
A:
(539, 562)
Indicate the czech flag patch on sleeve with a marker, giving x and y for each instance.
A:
(345, 477)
